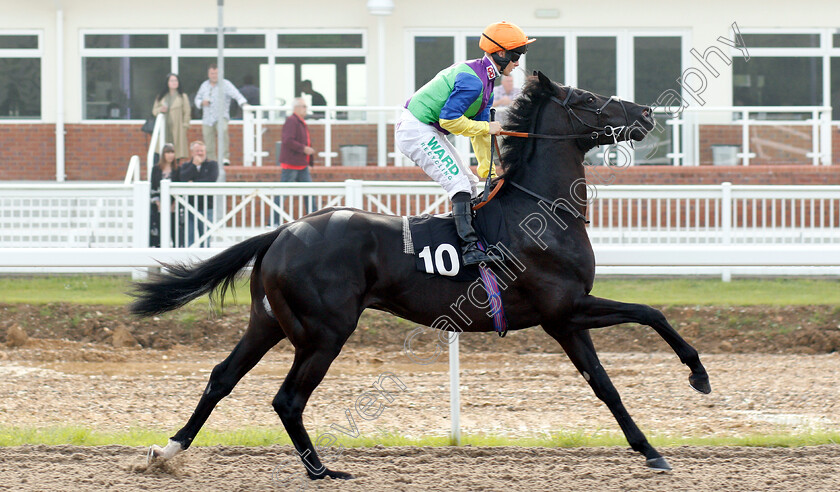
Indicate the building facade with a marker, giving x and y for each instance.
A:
(78, 78)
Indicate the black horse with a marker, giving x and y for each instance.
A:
(312, 278)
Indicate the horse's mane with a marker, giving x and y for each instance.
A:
(519, 118)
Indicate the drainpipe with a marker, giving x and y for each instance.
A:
(59, 93)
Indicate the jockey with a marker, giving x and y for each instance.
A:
(458, 100)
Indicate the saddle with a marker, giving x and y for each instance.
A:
(433, 241)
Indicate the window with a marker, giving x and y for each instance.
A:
(232, 41)
(788, 69)
(657, 63)
(123, 72)
(431, 55)
(777, 81)
(320, 41)
(548, 55)
(596, 64)
(20, 76)
(781, 40)
(341, 80)
(114, 41)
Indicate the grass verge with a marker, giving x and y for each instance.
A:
(81, 436)
(111, 290)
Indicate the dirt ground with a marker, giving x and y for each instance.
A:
(39, 468)
(71, 373)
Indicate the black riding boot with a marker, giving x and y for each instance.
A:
(462, 213)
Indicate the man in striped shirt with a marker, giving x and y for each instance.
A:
(207, 98)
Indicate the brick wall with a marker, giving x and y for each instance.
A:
(102, 151)
(27, 152)
(773, 145)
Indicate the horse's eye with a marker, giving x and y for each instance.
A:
(590, 99)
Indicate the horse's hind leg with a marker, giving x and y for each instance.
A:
(594, 312)
(579, 348)
(308, 370)
(263, 333)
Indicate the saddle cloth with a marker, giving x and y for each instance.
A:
(437, 248)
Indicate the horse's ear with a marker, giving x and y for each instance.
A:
(544, 80)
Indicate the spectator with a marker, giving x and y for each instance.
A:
(172, 101)
(296, 151)
(317, 97)
(504, 94)
(207, 99)
(199, 169)
(166, 168)
(251, 93)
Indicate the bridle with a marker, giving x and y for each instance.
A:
(598, 130)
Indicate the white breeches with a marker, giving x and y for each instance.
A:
(429, 149)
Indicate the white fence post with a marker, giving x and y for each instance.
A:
(328, 138)
(165, 213)
(141, 222)
(247, 137)
(353, 193)
(726, 222)
(454, 389)
(825, 138)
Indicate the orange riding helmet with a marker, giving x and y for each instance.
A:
(507, 37)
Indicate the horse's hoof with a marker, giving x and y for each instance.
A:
(700, 383)
(658, 464)
(332, 474)
(154, 452)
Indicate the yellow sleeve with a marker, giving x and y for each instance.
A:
(481, 147)
(465, 126)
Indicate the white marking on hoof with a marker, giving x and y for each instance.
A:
(171, 449)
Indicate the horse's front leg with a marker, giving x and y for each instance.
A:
(594, 312)
(579, 348)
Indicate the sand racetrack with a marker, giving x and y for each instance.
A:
(409, 468)
(509, 387)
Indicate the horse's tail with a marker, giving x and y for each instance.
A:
(184, 283)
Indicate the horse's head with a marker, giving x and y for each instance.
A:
(599, 120)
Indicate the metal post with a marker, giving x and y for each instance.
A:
(454, 389)
(220, 89)
(380, 127)
(726, 223)
(59, 101)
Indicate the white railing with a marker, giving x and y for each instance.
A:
(670, 229)
(72, 215)
(715, 214)
(156, 143)
(678, 142)
(793, 146)
(257, 118)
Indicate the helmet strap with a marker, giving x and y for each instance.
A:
(501, 61)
